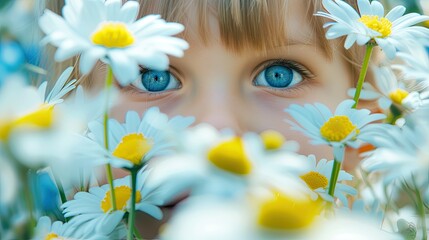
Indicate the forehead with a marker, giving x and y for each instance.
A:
(255, 24)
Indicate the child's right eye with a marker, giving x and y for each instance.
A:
(281, 74)
(156, 81)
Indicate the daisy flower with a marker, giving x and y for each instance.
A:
(351, 226)
(400, 153)
(230, 166)
(32, 123)
(392, 91)
(346, 127)
(416, 66)
(93, 210)
(317, 179)
(45, 229)
(272, 217)
(108, 31)
(31, 105)
(137, 140)
(370, 24)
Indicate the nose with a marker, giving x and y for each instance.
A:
(218, 106)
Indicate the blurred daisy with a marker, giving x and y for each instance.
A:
(370, 24)
(274, 140)
(416, 66)
(109, 31)
(273, 217)
(9, 181)
(93, 210)
(32, 106)
(318, 180)
(45, 229)
(400, 153)
(346, 127)
(229, 166)
(352, 227)
(134, 142)
(392, 91)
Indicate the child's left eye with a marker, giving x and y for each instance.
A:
(156, 81)
(278, 76)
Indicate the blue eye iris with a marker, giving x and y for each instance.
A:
(278, 76)
(155, 81)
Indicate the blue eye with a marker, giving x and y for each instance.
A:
(278, 76)
(156, 81)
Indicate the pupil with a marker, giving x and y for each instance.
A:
(155, 81)
(278, 76)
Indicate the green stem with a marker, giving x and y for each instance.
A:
(108, 86)
(132, 216)
(28, 200)
(421, 210)
(60, 189)
(137, 233)
(363, 71)
(334, 177)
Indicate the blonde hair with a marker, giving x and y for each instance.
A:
(254, 24)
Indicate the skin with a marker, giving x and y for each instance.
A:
(217, 84)
(217, 87)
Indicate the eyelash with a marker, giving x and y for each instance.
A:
(133, 90)
(299, 68)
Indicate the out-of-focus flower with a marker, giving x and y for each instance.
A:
(46, 192)
(47, 230)
(400, 153)
(317, 179)
(274, 217)
(12, 59)
(416, 66)
(370, 24)
(9, 182)
(31, 122)
(352, 227)
(109, 31)
(346, 126)
(228, 166)
(137, 140)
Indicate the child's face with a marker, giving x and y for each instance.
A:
(246, 91)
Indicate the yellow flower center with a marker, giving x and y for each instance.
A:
(230, 156)
(286, 213)
(315, 180)
(52, 236)
(272, 139)
(42, 118)
(133, 147)
(381, 25)
(398, 95)
(337, 128)
(122, 194)
(113, 35)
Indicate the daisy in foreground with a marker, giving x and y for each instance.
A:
(230, 166)
(274, 216)
(346, 127)
(318, 180)
(48, 230)
(133, 143)
(92, 211)
(109, 31)
(371, 26)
